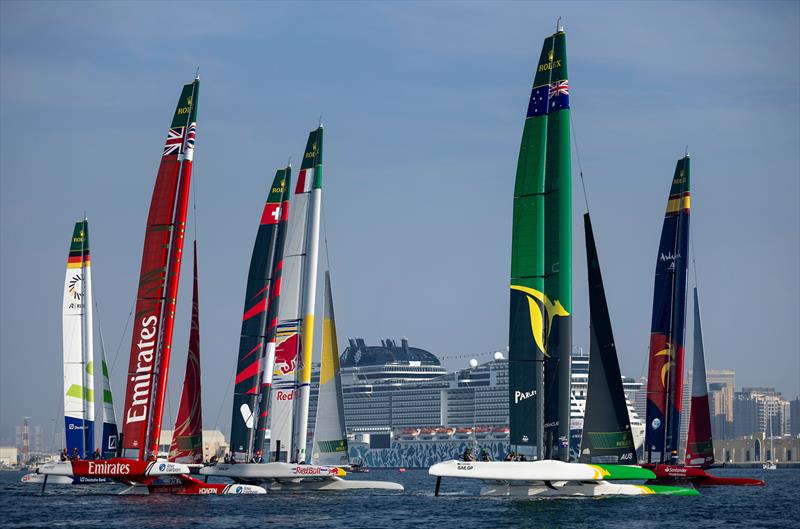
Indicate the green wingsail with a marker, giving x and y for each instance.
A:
(541, 263)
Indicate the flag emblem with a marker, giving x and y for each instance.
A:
(559, 87)
(174, 143)
(191, 135)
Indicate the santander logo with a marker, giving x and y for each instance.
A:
(142, 381)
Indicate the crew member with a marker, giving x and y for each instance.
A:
(96, 454)
(75, 455)
(257, 457)
(64, 455)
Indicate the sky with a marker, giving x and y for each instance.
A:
(423, 105)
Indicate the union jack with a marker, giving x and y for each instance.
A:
(559, 88)
(190, 136)
(174, 144)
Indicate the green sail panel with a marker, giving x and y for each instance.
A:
(541, 263)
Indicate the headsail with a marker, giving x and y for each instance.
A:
(540, 327)
(77, 344)
(108, 445)
(330, 433)
(158, 283)
(187, 437)
(699, 444)
(607, 436)
(665, 372)
(254, 325)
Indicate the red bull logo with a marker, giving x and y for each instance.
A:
(286, 355)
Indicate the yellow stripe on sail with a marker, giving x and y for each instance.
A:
(678, 204)
(308, 341)
(326, 369)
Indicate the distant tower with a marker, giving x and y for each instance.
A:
(26, 442)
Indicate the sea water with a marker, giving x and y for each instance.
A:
(776, 505)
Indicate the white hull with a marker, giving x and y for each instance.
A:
(563, 489)
(290, 476)
(333, 483)
(51, 480)
(550, 470)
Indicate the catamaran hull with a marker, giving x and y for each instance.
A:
(332, 484)
(523, 471)
(679, 474)
(294, 477)
(578, 489)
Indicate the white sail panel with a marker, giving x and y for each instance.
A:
(330, 434)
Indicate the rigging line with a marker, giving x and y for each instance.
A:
(694, 253)
(578, 157)
(224, 397)
(325, 237)
(121, 338)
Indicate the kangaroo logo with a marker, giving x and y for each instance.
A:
(542, 312)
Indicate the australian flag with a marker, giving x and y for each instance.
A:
(549, 98)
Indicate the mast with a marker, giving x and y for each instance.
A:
(158, 284)
(330, 433)
(699, 442)
(665, 371)
(77, 344)
(312, 158)
(187, 437)
(541, 264)
(607, 436)
(254, 324)
(268, 360)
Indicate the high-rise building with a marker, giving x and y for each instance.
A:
(761, 409)
(794, 414)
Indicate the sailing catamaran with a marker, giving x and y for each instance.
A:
(151, 344)
(282, 285)
(78, 346)
(540, 323)
(665, 373)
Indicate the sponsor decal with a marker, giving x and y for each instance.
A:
(522, 395)
(74, 288)
(465, 467)
(308, 470)
(285, 395)
(108, 468)
(524, 438)
(656, 424)
(238, 490)
(161, 467)
(142, 380)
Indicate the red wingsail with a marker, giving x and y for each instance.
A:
(158, 284)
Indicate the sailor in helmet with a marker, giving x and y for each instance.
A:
(257, 457)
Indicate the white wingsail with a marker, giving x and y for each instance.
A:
(77, 345)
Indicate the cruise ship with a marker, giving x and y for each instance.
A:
(399, 396)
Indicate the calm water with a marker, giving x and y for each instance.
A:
(776, 506)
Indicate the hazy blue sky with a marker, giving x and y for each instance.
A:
(423, 105)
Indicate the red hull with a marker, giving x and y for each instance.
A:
(188, 485)
(671, 474)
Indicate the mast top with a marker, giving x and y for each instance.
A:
(197, 74)
(559, 27)
(686, 152)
